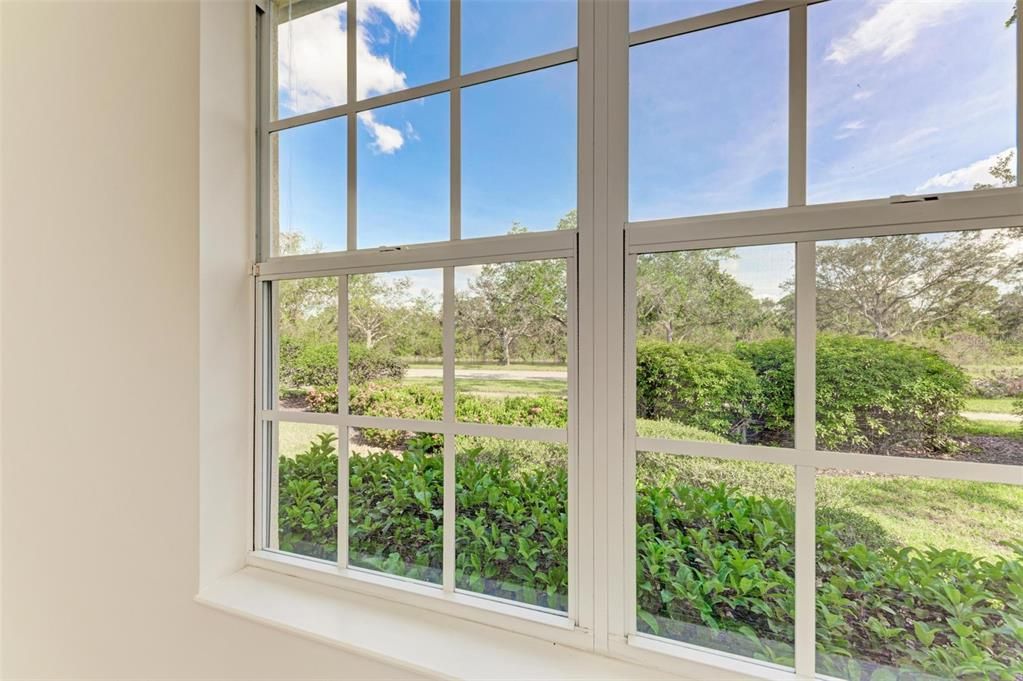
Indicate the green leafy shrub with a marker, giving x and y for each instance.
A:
(872, 395)
(695, 386)
(877, 395)
(391, 399)
(714, 564)
(397, 510)
(511, 530)
(305, 362)
(543, 411)
(372, 364)
(307, 502)
(774, 362)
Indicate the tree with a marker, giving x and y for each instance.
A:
(507, 302)
(307, 307)
(1002, 172)
(513, 308)
(686, 294)
(893, 286)
(374, 307)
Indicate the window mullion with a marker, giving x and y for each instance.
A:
(343, 436)
(353, 130)
(797, 105)
(805, 440)
(455, 131)
(448, 351)
(1019, 99)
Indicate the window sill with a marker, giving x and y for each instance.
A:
(414, 639)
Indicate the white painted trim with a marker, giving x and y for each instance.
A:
(950, 212)
(713, 19)
(531, 246)
(797, 105)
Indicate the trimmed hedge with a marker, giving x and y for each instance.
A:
(392, 399)
(713, 564)
(880, 395)
(707, 389)
(309, 363)
(872, 395)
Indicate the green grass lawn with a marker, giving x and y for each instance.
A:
(995, 428)
(295, 437)
(498, 387)
(992, 405)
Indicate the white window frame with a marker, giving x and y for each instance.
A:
(574, 627)
(602, 260)
(802, 226)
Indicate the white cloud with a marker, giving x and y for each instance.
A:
(862, 94)
(312, 73)
(849, 128)
(891, 30)
(402, 13)
(386, 139)
(966, 177)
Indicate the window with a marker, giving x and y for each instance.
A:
(417, 338)
(686, 331)
(814, 461)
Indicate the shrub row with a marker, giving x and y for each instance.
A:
(872, 395)
(714, 565)
(392, 399)
(310, 363)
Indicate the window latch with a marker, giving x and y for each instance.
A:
(902, 198)
(388, 249)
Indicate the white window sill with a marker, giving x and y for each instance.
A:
(411, 638)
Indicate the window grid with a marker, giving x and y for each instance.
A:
(570, 627)
(803, 227)
(797, 224)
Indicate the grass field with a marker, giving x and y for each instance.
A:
(991, 405)
(994, 428)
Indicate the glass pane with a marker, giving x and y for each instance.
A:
(511, 343)
(309, 56)
(519, 153)
(694, 147)
(511, 528)
(918, 578)
(307, 344)
(310, 199)
(401, 44)
(396, 503)
(646, 13)
(910, 97)
(715, 348)
(920, 346)
(307, 489)
(404, 175)
(496, 32)
(394, 331)
(715, 545)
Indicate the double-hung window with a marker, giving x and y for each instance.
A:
(677, 330)
(417, 310)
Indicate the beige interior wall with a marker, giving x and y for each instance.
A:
(99, 294)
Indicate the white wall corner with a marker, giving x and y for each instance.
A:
(226, 249)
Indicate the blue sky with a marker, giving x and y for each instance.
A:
(906, 96)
